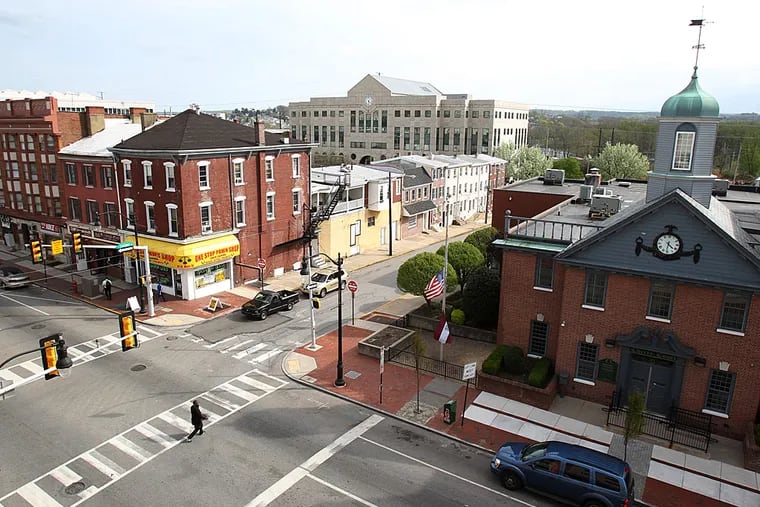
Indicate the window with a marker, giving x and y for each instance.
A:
(239, 211)
(237, 169)
(269, 168)
(661, 296)
(270, 205)
(596, 288)
(544, 272)
(130, 204)
(683, 150)
(71, 174)
(206, 218)
(171, 212)
(296, 201)
(733, 316)
(75, 209)
(53, 174)
(719, 391)
(585, 366)
(127, 165)
(396, 138)
(412, 222)
(109, 216)
(92, 211)
(548, 465)
(203, 175)
(539, 338)
(150, 216)
(147, 174)
(606, 481)
(171, 182)
(296, 166)
(106, 176)
(370, 221)
(447, 114)
(577, 472)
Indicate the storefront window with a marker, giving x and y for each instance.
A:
(211, 274)
(162, 274)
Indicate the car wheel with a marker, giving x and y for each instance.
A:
(323, 293)
(511, 480)
(290, 306)
(593, 503)
(263, 315)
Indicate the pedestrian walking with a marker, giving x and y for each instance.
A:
(107, 288)
(160, 291)
(196, 418)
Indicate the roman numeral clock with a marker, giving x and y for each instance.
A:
(668, 246)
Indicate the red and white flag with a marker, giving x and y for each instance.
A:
(435, 287)
(442, 331)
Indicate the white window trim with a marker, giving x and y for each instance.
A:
(713, 412)
(729, 331)
(150, 205)
(300, 200)
(266, 212)
(268, 158)
(595, 308)
(147, 171)
(543, 289)
(204, 164)
(208, 204)
(237, 200)
(242, 171)
(127, 168)
(127, 202)
(296, 159)
(691, 151)
(657, 319)
(584, 381)
(169, 167)
(174, 234)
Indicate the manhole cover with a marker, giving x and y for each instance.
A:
(138, 367)
(353, 374)
(38, 326)
(75, 488)
(171, 338)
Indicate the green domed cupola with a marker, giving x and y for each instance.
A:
(691, 102)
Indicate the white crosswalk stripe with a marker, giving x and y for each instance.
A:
(154, 434)
(175, 421)
(237, 346)
(36, 496)
(130, 448)
(249, 351)
(106, 466)
(221, 401)
(265, 357)
(240, 393)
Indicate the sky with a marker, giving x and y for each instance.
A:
(223, 54)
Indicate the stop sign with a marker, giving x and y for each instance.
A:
(352, 286)
(262, 263)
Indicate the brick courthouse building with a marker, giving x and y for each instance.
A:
(660, 297)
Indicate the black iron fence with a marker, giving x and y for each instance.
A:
(426, 364)
(684, 427)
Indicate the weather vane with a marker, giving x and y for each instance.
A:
(700, 23)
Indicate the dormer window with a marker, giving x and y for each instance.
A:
(683, 150)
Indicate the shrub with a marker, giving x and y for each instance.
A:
(541, 373)
(457, 316)
(513, 360)
(481, 297)
(492, 363)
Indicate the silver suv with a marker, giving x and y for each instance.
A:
(324, 281)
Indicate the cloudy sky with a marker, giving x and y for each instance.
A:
(222, 54)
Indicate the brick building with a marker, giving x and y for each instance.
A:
(209, 198)
(33, 128)
(648, 287)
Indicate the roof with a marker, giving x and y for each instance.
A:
(360, 174)
(419, 207)
(97, 145)
(691, 102)
(73, 99)
(453, 161)
(416, 176)
(405, 86)
(489, 158)
(586, 455)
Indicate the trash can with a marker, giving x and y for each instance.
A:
(450, 411)
(564, 378)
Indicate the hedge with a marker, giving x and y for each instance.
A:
(492, 363)
(513, 360)
(541, 373)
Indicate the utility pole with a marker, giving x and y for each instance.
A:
(390, 214)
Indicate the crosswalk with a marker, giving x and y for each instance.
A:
(238, 347)
(115, 458)
(80, 354)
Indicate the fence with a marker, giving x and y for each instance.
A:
(426, 364)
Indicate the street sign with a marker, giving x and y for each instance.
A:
(56, 247)
(469, 371)
(353, 286)
(262, 263)
(126, 246)
(382, 359)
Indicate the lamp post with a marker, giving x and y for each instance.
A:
(63, 361)
(306, 282)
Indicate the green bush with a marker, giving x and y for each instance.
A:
(541, 373)
(492, 363)
(513, 360)
(457, 316)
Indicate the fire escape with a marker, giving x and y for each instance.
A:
(317, 214)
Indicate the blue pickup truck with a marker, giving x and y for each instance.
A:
(268, 302)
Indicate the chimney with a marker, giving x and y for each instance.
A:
(134, 114)
(260, 134)
(147, 120)
(95, 120)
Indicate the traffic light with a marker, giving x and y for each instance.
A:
(128, 331)
(316, 303)
(48, 348)
(76, 241)
(36, 252)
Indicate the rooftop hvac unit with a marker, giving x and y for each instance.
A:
(602, 191)
(554, 177)
(720, 187)
(606, 204)
(586, 192)
(593, 178)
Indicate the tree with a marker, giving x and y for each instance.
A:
(418, 349)
(622, 161)
(504, 151)
(571, 166)
(414, 274)
(464, 258)
(528, 162)
(482, 239)
(480, 298)
(634, 419)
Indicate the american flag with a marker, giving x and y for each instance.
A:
(435, 287)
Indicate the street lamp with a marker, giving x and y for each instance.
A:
(130, 221)
(64, 362)
(339, 381)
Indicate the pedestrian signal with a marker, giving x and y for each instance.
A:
(128, 331)
(76, 241)
(36, 252)
(48, 347)
(316, 303)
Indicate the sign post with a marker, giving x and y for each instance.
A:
(467, 374)
(262, 264)
(382, 368)
(353, 287)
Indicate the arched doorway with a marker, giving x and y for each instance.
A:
(366, 159)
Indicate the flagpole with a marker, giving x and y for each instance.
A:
(445, 262)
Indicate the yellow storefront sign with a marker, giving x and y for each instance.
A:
(191, 255)
(56, 247)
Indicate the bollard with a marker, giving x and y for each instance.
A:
(74, 286)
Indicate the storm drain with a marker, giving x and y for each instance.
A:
(75, 488)
(171, 338)
(138, 367)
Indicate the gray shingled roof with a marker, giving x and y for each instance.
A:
(406, 87)
(415, 176)
(419, 207)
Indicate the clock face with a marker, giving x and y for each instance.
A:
(368, 100)
(668, 244)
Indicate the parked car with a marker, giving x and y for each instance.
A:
(12, 277)
(325, 280)
(566, 472)
(268, 302)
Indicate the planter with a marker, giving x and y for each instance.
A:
(519, 391)
(389, 337)
(751, 450)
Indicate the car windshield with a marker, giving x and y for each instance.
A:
(533, 451)
(10, 270)
(319, 277)
(262, 298)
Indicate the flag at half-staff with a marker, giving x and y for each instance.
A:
(442, 331)
(435, 287)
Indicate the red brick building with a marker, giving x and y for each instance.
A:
(210, 197)
(641, 287)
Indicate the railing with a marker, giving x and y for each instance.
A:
(426, 364)
(344, 206)
(684, 427)
(537, 228)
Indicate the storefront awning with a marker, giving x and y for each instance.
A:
(191, 255)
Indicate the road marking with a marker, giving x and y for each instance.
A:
(291, 478)
(248, 351)
(241, 393)
(264, 357)
(441, 470)
(65, 475)
(175, 421)
(221, 342)
(221, 402)
(341, 491)
(255, 383)
(234, 347)
(37, 496)
(24, 304)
